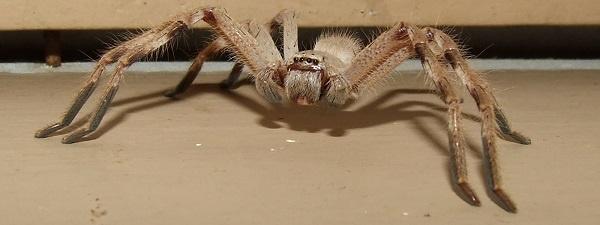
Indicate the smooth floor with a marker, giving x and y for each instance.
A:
(229, 157)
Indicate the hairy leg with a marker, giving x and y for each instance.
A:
(437, 72)
(379, 58)
(371, 64)
(147, 42)
(285, 19)
(212, 48)
(494, 121)
(238, 40)
(448, 49)
(391, 48)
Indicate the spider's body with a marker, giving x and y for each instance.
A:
(337, 69)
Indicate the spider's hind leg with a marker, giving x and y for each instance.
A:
(83, 95)
(210, 50)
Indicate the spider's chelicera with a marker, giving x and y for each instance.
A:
(336, 70)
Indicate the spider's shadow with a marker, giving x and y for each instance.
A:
(337, 122)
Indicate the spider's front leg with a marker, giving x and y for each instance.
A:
(403, 41)
(244, 46)
(368, 66)
(124, 55)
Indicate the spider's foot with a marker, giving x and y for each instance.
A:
(47, 131)
(75, 136)
(172, 93)
(516, 137)
(468, 194)
(227, 84)
(504, 201)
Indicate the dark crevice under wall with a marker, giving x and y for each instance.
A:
(566, 42)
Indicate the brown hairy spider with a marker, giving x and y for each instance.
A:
(334, 72)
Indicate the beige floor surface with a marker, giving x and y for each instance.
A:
(217, 157)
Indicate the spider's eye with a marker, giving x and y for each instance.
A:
(295, 59)
(309, 60)
(316, 62)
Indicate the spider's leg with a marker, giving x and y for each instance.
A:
(438, 73)
(217, 46)
(287, 19)
(84, 93)
(371, 64)
(493, 119)
(108, 58)
(250, 48)
(134, 50)
(233, 77)
(471, 78)
(211, 49)
(505, 130)
(379, 58)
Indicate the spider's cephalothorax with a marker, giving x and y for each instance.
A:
(336, 70)
(314, 75)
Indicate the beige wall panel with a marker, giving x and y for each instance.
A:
(108, 14)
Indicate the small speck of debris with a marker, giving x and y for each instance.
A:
(405, 214)
(276, 149)
(290, 141)
(97, 212)
(427, 215)
(198, 145)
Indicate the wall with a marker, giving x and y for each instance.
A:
(117, 14)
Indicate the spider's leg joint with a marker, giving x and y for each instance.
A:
(429, 35)
(209, 15)
(402, 32)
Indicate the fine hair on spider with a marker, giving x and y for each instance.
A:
(337, 70)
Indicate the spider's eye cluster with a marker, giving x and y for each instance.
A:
(305, 59)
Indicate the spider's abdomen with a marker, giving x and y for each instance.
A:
(340, 45)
